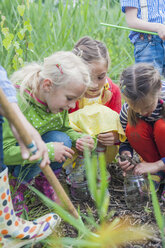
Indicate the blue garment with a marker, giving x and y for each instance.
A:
(150, 49)
(7, 86)
(156, 12)
(10, 93)
(28, 172)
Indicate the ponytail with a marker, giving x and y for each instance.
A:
(27, 78)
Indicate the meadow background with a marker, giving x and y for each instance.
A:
(32, 30)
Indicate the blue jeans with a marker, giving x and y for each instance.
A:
(2, 166)
(29, 171)
(150, 49)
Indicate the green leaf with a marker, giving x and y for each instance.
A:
(155, 202)
(28, 26)
(5, 31)
(7, 41)
(19, 51)
(30, 45)
(15, 62)
(21, 9)
(21, 34)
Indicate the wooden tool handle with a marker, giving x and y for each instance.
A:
(11, 115)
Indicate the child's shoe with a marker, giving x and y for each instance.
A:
(14, 231)
(42, 184)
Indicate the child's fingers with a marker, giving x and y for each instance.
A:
(129, 167)
(124, 173)
(80, 147)
(107, 143)
(44, 163)
(45, 159)
(103, 136)
(125, 165)
(67, 155)
(69, 150)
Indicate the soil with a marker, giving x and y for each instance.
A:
(118, 205)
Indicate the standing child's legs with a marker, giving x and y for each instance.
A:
(150, 49)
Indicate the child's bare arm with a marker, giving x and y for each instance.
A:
(134, 22)
(144, 167)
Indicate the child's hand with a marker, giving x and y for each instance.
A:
(83, 142)
(42, 151)
(161, 30)
(144, 167)
(108, 139)
(125, 165)
(62, 152)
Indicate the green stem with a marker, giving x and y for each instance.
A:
(130, 29)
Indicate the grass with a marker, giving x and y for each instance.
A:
(101, 232)
(57, 25)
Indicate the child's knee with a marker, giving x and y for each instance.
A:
(159, 128)
(67, 141)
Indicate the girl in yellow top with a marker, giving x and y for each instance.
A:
(96, 113)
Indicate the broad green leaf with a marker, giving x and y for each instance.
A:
(21, 9)
(7, 42)
(30, 45)
(28, 26)
(19, 51)
(21, 34)
(5, 31)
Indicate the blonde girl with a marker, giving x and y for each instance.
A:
(46, 92)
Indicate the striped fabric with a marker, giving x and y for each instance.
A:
(156, 12)
(6, 86)
(151, 119)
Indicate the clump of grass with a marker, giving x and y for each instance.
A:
(57, 25)
(157, 212)
(101, 232)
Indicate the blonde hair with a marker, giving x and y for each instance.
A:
(138, 81)
(61, 68)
